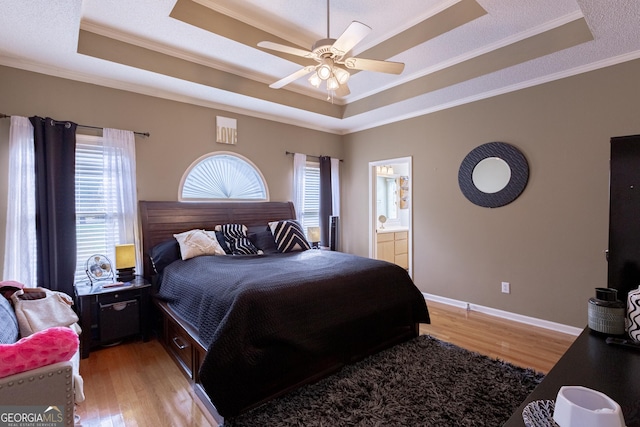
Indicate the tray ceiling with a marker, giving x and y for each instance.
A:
(205, 51)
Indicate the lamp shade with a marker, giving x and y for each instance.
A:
(332, 83)
(325, 69)
(315, 80)
(314, 234)
(341, 75)
(125, 256)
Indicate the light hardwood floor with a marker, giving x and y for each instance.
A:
(518, 343)
(136, 384)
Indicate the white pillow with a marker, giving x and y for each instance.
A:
(194, 243)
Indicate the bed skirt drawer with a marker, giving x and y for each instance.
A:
(181, 346)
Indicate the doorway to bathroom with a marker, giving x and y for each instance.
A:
(390, 211)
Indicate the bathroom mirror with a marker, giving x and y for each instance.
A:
(387, 197)
(493, 174)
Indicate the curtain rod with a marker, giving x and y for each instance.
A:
(289, 153)
(5, 116)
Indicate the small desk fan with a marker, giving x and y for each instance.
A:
(99, 269)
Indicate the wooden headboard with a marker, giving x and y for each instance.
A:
(161, 220)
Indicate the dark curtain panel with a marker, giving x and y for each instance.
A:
(55, 159)
(326, 209)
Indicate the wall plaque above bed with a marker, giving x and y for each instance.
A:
(226, 130)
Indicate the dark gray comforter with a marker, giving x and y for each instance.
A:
(271, 321)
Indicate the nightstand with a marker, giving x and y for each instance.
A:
(109, 314)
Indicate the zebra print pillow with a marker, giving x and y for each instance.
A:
(235, 235)
(289, 236)
(232, 231)
(243, 246)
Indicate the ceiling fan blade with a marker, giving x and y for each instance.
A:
(355, 32)
(374, 65)
(287, 49)
(292, 77)
(343, 90)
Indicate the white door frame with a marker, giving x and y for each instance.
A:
(373, 220)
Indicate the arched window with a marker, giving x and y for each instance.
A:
(223, 176)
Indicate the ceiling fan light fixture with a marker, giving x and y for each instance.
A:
(332, 83)
(341, 75)
(325, 69)
(315, 80)
(331, 65)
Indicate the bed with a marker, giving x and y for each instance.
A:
(248, 328)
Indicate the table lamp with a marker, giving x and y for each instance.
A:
(126, 262)
(314, 236)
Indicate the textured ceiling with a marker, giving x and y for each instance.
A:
(205, 51)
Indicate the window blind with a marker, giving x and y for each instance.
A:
(95, 207)
(224, 176)
(311, 214)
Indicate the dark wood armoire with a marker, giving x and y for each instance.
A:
(624, 215)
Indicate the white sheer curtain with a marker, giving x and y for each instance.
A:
(20, 237)
(335, 186)
(120, 184)
(299, 165)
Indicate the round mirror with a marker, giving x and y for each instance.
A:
(491, 175)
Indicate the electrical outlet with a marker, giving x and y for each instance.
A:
(506, 288)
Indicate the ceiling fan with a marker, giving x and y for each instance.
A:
(332, 65)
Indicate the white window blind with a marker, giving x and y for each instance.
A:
(95, 207)
(311, 214)
(223, 176)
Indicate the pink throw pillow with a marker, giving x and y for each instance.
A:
(43, 348)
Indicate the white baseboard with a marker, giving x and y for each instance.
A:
(559, 327)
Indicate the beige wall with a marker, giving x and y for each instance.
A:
(180, 133)
(549, 243)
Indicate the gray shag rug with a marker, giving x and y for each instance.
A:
(423, 382)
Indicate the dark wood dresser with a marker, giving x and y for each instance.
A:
(592, 363)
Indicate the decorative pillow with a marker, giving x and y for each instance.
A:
(289, 236)
(235, 235)
(43, 348)
(243, 246)
(9, 332)
(232, 231)
(164, 254)
(257, 229)
(264, 241)
(223, 243)
(194, 243)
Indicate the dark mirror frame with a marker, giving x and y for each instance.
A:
(516, 185)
